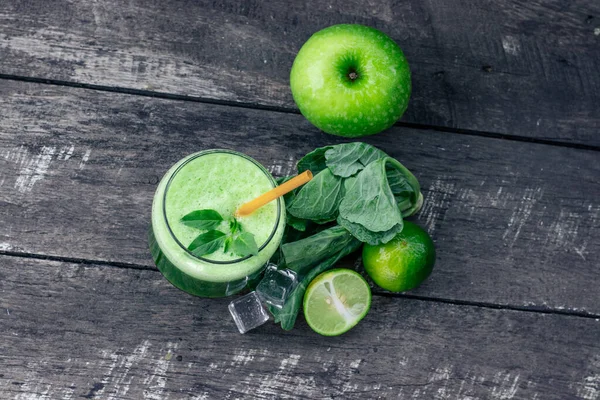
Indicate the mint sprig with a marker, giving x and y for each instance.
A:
(235, 240)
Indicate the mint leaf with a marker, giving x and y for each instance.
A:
(244, 245)
(207, 243)
(202, 219)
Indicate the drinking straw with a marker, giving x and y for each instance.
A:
(297, 181)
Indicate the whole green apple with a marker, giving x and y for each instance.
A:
(351, 80)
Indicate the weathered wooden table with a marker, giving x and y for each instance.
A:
(99, 97)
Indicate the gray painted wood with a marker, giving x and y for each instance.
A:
(70, 331)
(511, 67)
(514, 223)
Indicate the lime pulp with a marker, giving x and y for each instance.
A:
(336, 301)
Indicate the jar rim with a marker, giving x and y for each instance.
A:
(235, 153)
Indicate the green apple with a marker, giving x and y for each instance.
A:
(351, 80)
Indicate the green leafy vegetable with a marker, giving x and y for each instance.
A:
(202, 219)
(319, 199)
(296, 223)
(302, 254)
(314, 161)
(398, 183)
(414, 207)
(207, 243)
(244, 244)
(405, 187)
(347, 159)
(370, 203)
(287, 315)
(364, 235)
(292, 235)
(358, 185)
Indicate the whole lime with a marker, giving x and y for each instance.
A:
(403, 262)
(351, 80)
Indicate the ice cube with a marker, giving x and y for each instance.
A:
(248, 312)
(276, 285)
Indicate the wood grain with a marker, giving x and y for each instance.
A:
(514, 223)
(115, 333)
(504, 66)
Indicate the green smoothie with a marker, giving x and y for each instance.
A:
(220, 180)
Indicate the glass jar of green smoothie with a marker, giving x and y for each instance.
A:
(219, 180)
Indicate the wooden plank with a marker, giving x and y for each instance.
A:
(72, 330)
(514, 223)
(511, 67)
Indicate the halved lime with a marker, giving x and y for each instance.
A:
(336, 301)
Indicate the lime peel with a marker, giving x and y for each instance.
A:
(404, 262)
